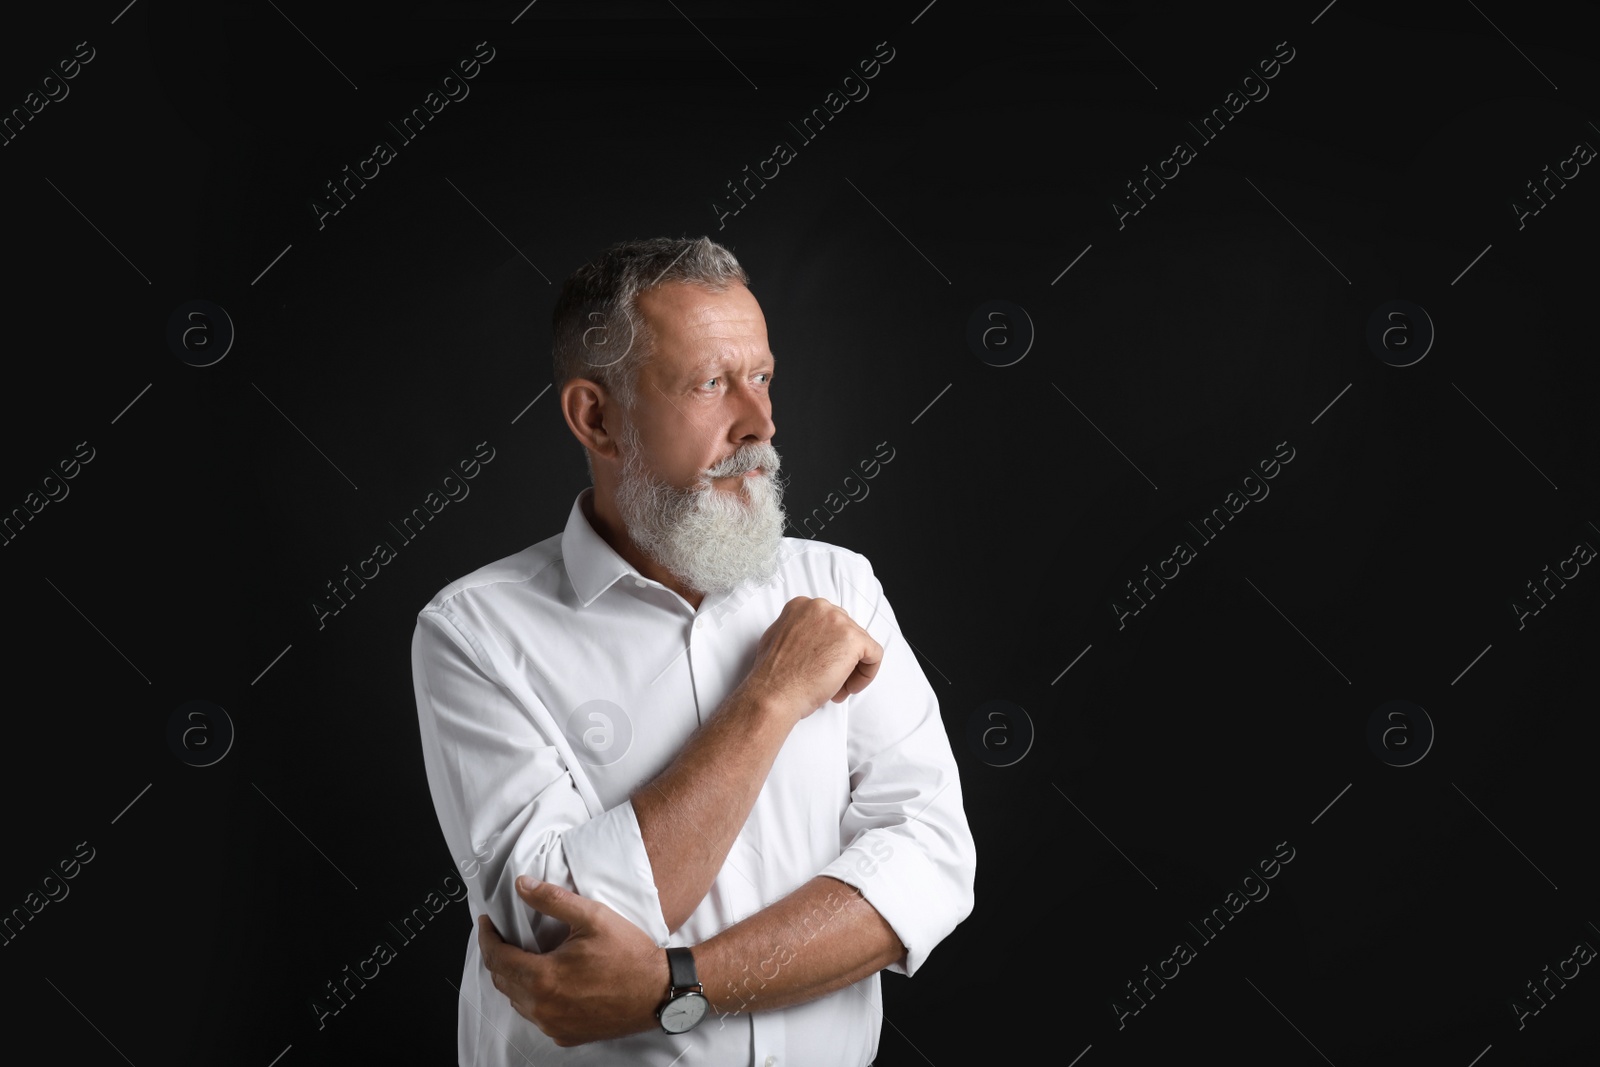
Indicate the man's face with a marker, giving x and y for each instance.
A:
(697, 486)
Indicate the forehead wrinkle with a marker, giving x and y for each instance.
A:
(722, 359)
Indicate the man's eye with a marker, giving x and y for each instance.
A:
(763, 374)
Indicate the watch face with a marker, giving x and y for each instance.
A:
(683, 1012)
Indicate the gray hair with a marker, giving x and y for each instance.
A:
(598, 332)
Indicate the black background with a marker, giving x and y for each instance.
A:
(1176, 353)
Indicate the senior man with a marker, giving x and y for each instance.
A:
(695, 775)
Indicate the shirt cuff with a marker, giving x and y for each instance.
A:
(608, 862)
(922, 898)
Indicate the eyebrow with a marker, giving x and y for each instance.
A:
(717, 362)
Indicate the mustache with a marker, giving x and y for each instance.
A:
(763, 456)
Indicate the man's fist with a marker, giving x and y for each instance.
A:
(812, 653)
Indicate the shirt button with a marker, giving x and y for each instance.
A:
(771, 1060)
(640, 582)
(697, 621)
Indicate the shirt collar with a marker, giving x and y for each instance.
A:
(593, 566)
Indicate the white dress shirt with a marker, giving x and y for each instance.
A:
(553, 683)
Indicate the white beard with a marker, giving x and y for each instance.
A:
(709, 539)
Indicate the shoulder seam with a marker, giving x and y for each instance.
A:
(484, 584)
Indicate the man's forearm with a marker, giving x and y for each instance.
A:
(820, 938)
(690, 813)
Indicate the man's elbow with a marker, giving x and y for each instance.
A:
(964, 895)
(964, 902)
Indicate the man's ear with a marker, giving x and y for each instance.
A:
(589, 414)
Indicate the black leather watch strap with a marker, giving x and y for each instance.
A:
(680, 966)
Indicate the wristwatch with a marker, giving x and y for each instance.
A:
(686, 1002)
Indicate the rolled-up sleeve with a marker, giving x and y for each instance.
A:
(906, 844)
(507, 800)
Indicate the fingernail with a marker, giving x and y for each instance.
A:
(525, 883)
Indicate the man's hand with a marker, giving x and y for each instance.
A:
(604, 981)
(813, 653)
